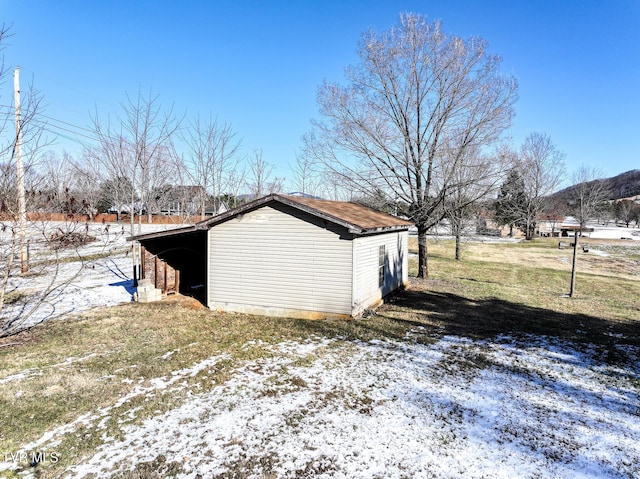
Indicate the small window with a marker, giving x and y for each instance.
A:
(381, 263)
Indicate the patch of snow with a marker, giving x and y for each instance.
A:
(77, 284)
(34, 372)
(53, 438)
(395, 409)
(613, 232)
(168, 354)
(26, 374)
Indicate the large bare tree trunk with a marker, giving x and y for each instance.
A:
(423, 266)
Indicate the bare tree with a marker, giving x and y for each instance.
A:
(475, 178)
(307, 176)
(113, 160)
(13, 221)
(88, 179)
(165, 169)
(9, 188)
(416, 104)
(541, 166)
(334, 186)
(115, 189)
(150, 131)
(536, 171)
(57, 189)
(625, 211)
(261, 182)
(213, 162)
(586, 196)
(139, 148)
(45, 183)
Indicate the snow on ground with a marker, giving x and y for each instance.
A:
(531, 407)
(606, 232)
(323, 408)
(614, 232)
(104, 279)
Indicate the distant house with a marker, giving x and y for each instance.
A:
(550, 225)
(571, 225)
(181, 200)
(283, 256)
(125, 208)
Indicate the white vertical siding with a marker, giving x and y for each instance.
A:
(366, 289)
(280, 258)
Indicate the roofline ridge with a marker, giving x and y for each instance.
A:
(299, 204)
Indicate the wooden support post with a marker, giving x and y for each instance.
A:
(164, 271)
(155, 272)
(143, 258)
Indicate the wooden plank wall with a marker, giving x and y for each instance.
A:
(161, 274)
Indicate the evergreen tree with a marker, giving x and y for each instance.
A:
(511, 202)
(116, 192)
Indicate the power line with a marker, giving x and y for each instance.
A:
(65, 84)
(80, 134)
(66, 123)
(47, 126)
(9, 109)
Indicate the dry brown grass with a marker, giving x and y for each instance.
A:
(615, 258)
(67, 368)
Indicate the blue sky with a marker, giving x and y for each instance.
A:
(258, 64)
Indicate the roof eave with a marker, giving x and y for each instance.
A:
(208, 223)
(160, 234)
(372, 231)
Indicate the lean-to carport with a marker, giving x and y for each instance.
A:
(176, 261)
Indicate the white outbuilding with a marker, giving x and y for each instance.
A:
(285, 256)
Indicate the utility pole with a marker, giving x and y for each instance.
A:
(22, 212)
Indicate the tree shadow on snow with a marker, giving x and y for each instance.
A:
(431, 315)
(127, 285)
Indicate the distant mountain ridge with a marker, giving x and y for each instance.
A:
(624, 185)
